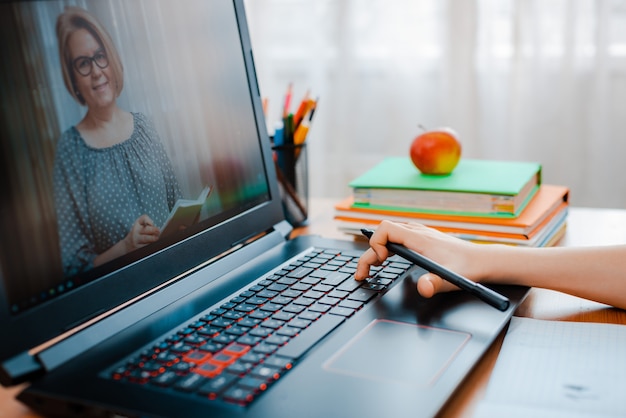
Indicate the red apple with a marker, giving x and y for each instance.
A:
(436, 152)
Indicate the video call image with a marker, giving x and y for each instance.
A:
(127, 126)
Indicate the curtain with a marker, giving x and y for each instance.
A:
(528, 80)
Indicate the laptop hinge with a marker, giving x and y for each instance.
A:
(284, 228)
(21, 368)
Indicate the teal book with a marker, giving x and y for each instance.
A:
(483, 187)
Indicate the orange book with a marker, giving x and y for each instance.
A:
(546, 234)
(547, 202)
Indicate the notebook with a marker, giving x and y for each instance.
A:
(225, 316)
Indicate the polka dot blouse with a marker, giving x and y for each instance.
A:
(100, 192)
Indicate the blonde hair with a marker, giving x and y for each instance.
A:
(68, 22)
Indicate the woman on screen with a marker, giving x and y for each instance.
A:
(114, 184)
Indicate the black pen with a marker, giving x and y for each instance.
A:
(495, 299)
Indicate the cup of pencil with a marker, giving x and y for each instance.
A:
(293, 180)
(290, 157)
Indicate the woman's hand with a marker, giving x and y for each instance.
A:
(142, 233)
(453, 253)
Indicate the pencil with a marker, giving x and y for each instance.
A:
(287, 100)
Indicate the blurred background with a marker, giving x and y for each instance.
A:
(527, 80)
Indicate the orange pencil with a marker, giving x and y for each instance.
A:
(265, 103)
(302, 109)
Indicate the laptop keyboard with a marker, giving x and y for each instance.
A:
(236, 351)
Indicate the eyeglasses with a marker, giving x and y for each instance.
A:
(83, 64)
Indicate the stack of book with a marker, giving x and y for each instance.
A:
(483, 201)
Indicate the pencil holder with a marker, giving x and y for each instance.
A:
(293, 179)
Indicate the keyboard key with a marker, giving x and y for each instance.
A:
(282, 300)
(302, 287)
(313, 294)
(224, 338)
(236, 330)
(251, 357)
(249, 340)
(276, 339)
(280, 363)
(260, 332)
(347, 312)
(239, 394)
(318, 307)
(236, 349)
(291, 293)
(338, 294)
(352, 304)
(221, 322)
(304, 301)
(265, 372)
(309, 315)
(288, 331)
(266, 294)
(335, 278)
(261, 314)
(287, 281)
(213, 387)
(209, 331)
(211, 347)
(197, 356)
(222, 359)
(182, 367)
(264, 348)
(380, 281)
(283, 316)
(311, 280)
(245, 307)
(239, 368)
(323, 288)
(362, 295)
(271, 307)
(293, 308)
(310, 336)
(166, 379)
(190, 382)
(327, 300)
(276, 287)
(349, 285)
(234, 315)
(374, 287)
(254, 383)
(249, 322)
(272, 323)
(299, 273)
(393, 270)
(299, 323)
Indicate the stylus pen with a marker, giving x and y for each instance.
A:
(495, 299)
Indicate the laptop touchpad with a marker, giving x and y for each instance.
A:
(398, 352)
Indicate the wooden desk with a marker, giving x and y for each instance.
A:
(585, 227)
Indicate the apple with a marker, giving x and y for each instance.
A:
(436, 151)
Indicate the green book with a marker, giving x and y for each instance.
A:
(475, 187)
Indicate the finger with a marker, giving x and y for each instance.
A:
(367, 259)
(145, 220)
(149, 230)
(430, 284)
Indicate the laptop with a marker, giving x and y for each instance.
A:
(226, 316)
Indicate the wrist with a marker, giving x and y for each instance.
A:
(493, 262)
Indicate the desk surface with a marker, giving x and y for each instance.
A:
(585, 227)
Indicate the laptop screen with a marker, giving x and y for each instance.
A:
(131, 133)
